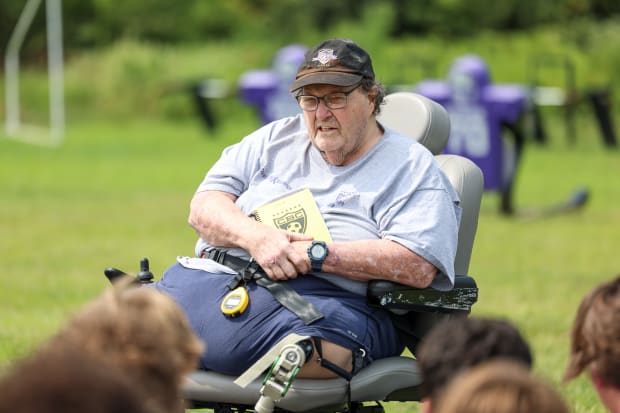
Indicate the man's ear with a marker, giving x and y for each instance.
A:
(372, 94)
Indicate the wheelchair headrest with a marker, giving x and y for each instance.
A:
(418, 117)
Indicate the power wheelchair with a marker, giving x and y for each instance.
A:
(415, 311)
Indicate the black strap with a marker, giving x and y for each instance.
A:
(289, 298)
(358, 361)
(328, 364)
(285, 295)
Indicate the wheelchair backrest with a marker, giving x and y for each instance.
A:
(429, 123)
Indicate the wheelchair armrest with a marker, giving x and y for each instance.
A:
(394, 296)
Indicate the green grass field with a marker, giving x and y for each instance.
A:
(116, 192)
(118, 188)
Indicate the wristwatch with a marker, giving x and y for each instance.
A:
(317, 251)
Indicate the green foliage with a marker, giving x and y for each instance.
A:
(143, 79)
(99, 23)
(134, 78)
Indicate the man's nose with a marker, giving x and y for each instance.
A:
(322, 111)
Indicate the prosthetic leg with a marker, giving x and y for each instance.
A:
(290, 354)
(282, 374)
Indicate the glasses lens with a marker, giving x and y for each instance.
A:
(308, 102)
(336, 100)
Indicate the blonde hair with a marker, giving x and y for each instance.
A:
(595, 338)
(141, 331)
(500, 386)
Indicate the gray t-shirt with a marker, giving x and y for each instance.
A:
(396, 191)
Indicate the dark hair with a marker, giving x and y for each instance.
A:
(459, 343)
(68, 380)
(367, 84)
(595, 335)
(500, 386)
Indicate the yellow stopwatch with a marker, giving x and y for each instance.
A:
(235, 302)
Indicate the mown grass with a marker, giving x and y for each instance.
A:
(118, 190)
(109, 195)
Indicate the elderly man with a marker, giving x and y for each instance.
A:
(390, 212)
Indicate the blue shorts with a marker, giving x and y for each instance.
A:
(234, 344)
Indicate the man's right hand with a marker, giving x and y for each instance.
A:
(273, 249)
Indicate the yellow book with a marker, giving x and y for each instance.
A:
(297, 212)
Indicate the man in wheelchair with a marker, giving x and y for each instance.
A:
(391, 213)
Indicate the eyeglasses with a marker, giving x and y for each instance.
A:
(337, 100)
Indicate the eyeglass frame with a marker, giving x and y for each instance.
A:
(325, 99)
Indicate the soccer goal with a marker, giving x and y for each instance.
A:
(52, 134)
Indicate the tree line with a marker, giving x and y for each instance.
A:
(97, 23)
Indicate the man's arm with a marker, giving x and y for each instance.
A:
(217, 220)
(367, 260)
(381, 259)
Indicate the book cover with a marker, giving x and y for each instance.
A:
(296, 212)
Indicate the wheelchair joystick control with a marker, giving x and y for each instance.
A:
(145, 276)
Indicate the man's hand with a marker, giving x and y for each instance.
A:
(217, 220)
(278, 253)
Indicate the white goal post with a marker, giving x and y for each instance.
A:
(14, 128)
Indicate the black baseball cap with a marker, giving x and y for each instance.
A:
(338, 62)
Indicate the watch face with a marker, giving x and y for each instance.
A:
(318, 251)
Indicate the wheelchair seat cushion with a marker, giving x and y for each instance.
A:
(234, 344)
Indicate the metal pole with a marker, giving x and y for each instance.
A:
(11, 65)
(55, 67)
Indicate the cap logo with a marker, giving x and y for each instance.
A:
(324, 56)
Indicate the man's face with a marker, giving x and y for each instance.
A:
(342, 135)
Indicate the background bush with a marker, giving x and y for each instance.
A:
(102, 22)
(133, 77)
